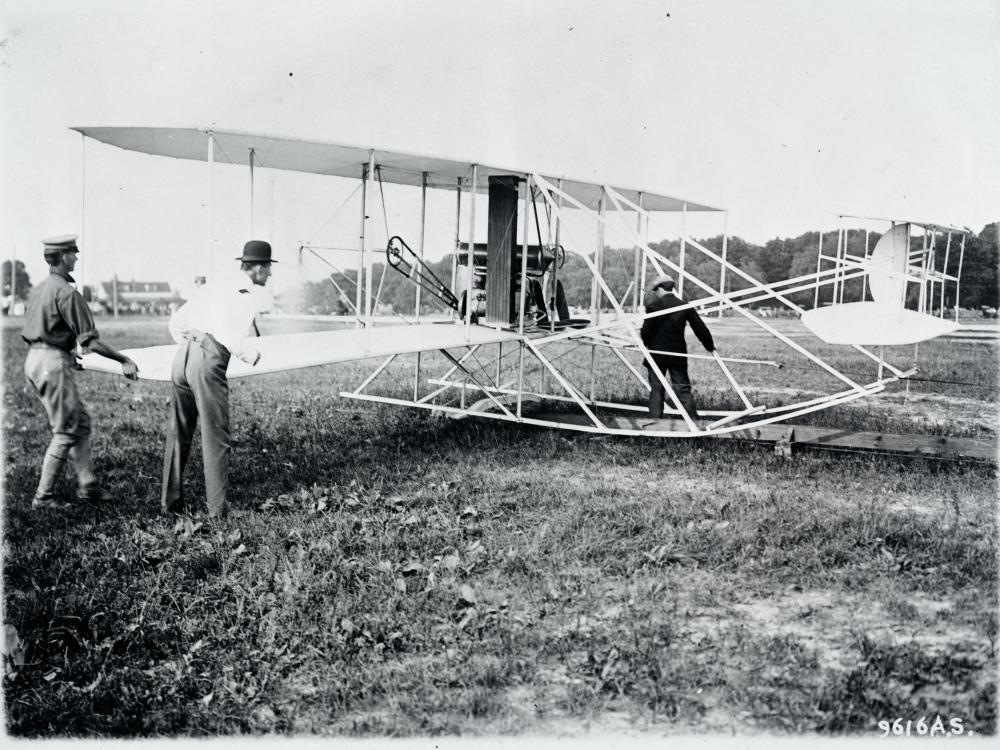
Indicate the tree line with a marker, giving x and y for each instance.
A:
(776, 260)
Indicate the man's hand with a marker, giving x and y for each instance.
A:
(129, 369)
(249, 354)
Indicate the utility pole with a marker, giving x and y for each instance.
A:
(13, 275)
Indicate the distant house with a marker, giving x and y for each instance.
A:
(149, 297)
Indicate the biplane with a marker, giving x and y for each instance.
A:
(508, 347)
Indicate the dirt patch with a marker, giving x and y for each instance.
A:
(945, 414)
(826, 622)
(920, 505)
(943, 411)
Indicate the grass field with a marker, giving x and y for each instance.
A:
(392, 573)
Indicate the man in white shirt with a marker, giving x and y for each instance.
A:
(216, 323)
(548, 295)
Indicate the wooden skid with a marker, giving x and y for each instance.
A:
(974, 449)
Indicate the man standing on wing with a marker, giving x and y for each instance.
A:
(56, 320)
(665, 333)
(217, 322)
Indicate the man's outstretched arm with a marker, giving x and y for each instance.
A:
(129, 369)
(701, 330)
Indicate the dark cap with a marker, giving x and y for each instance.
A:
(663, 282)
(60, 244)
(257, 251)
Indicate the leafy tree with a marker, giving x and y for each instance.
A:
(979, 269)
(323, 298)
(804, 263)
(777, 260)
(22, 281)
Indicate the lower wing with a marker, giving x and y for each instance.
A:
(295, 350)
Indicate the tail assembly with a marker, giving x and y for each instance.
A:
(893, 267)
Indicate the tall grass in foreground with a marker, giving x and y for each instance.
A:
(390, 573)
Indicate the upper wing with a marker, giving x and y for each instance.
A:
(294, 350)
(341, 160)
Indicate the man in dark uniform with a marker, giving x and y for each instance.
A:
(215, 324)
(56, 320)
(665, 333)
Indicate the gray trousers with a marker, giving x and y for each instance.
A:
(50, 372)
(200, 390)
(681, 385)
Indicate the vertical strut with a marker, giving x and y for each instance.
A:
(370, 248)
(361, 246)
(469, 295)
(211, 205)
(458, 226)
(725, 244)
(819, 259)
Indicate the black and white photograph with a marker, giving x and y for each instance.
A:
(498, 374)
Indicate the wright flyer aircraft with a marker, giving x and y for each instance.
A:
(507, 345)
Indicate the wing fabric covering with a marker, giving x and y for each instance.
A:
(296, 350)
(341, 160)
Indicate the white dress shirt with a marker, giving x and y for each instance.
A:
(224, 308)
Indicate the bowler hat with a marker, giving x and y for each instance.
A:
(257, 251)
(60, 244)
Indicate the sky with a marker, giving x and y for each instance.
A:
(786, 114)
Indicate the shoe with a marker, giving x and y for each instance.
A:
(220, 513)
(43, 503)
(93, 495)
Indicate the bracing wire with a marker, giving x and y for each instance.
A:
(216, 142)
(534, 208)
(336, 211)
(355, 283)
(484, 368)
(256, 201)
(993, 386)
(381, 281)
(381, 192)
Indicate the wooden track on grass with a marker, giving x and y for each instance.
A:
(786, 436)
